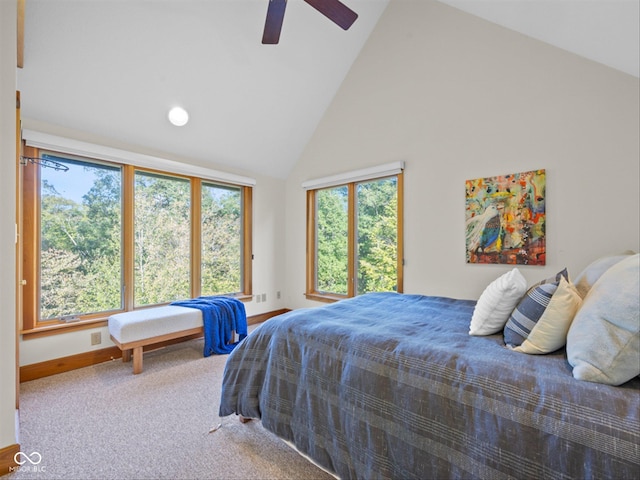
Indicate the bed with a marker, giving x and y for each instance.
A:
(388, 385)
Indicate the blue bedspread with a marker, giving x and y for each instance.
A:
(221, 316)
(393, 386)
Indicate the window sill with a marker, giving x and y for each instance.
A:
(326, 298)
(58, 327)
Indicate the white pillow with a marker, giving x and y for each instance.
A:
(603, 344)
(497, 302)
(590, 275)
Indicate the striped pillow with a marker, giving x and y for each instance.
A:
(555, 279)
(550, 331)
(531, 309)
(526, 315)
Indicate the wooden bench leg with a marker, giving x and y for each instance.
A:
(137, 360)
(135, 349)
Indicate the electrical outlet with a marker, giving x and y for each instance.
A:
(278, 294)
(264, 297)
(96, 338)
(258, 298)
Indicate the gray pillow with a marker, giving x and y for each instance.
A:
(603, 343)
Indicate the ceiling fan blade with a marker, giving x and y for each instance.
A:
(273, 23)
(335, 11)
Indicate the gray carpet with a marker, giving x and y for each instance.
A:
(103, 422)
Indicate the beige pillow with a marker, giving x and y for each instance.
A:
(550, 331)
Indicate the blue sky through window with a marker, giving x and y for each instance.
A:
(74, 183)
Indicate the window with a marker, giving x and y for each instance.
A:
(377, 236)
(354, 238)
(80, 238)
(222, 239)
(92, 228)
(332, 240)
(162, 238)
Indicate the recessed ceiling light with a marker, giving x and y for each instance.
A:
(178, 116)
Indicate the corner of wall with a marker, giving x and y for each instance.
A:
(8, 61)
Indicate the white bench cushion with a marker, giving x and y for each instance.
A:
(152, 322)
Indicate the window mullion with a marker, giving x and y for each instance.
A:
(352, 240)
(196, 237)
(400, 232)
(247, 240)
(128, 239)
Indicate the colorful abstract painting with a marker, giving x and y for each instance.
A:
(505, 219)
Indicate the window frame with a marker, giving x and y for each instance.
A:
(246, 257)
(311, 267)
(32, 326)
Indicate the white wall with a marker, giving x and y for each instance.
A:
(268, 250)
(7, 220)
(459, 98)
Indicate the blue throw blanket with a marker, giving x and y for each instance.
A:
(221, 316)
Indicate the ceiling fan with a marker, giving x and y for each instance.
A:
(334, 10)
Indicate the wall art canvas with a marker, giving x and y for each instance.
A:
(505, 219)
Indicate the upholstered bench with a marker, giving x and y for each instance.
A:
(132, 331)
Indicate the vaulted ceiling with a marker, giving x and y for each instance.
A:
(115, 68)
